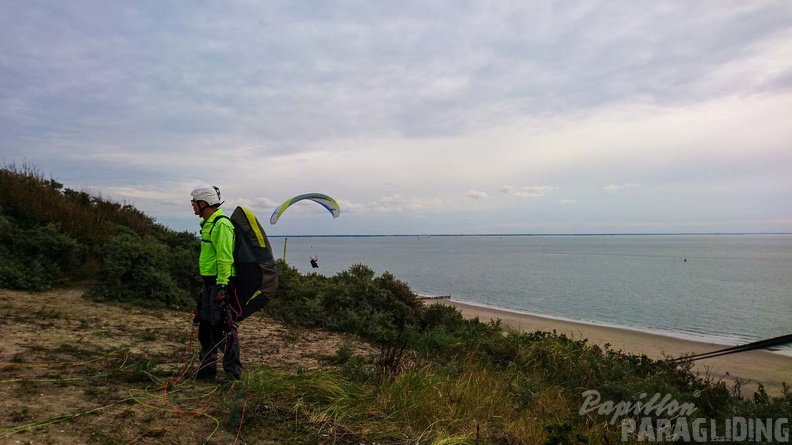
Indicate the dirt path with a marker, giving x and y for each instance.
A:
(77, 372)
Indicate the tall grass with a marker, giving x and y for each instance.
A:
(461, 404)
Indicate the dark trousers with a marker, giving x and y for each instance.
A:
(217, 334)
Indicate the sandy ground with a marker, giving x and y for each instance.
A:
(753, 367)
(77, 372)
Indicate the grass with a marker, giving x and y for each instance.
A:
(464, 403)
(508, 388)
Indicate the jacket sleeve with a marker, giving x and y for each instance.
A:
(223, 240)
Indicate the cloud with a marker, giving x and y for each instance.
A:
(260, 206)
(567, 201)
(615, 187)
(531, 191)
(404, 204)
(286, 75)
(473, 194)
(399, 107)
(349, 206)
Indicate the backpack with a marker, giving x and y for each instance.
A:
(257, 277)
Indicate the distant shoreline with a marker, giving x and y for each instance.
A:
(722, 342)
(536, 235)
(770, 369)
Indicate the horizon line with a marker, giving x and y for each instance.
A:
(428, 235)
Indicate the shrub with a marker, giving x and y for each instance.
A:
(381, 309)
(51, 235)
(136, 269)
(38, 257)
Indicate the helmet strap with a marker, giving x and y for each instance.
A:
(202, 206)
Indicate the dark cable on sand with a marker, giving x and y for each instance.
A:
(761, 344)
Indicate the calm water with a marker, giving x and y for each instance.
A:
(727, 288)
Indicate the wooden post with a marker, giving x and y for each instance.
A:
(285, 242)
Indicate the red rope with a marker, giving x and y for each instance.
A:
(241, 418)
(187, 356)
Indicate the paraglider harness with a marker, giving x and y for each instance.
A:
(228, 320)
(257, 276)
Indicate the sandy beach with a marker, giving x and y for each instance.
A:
(764, 367)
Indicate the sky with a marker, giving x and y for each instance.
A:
(418, 117)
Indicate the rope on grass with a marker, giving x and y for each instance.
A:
(176, 425)
(125, 353)
(145, 397)
(238, 415)
(170, 387)
(5, 432)
(241, 418)
(13, 364)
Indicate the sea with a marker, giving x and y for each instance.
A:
(726, 289)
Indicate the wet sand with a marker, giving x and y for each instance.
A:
(764, 367)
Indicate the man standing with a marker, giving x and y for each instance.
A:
(216, 327)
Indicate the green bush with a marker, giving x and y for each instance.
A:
(381, 309)
(37, 257)
(137, 269)
(51, 235)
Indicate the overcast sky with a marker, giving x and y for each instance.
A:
(417, 116)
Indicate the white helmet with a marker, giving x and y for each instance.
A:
(208, 193)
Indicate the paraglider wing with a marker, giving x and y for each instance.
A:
(325, 201)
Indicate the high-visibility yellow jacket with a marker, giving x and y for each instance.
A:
(217, 248)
